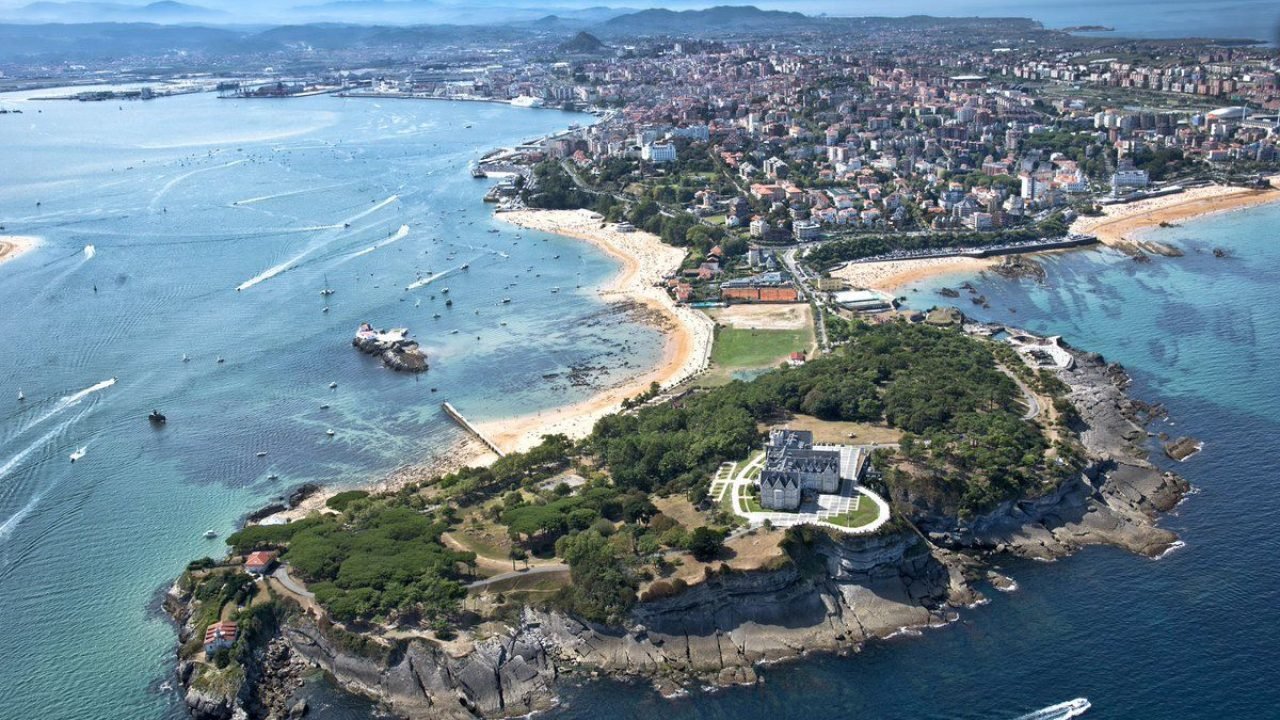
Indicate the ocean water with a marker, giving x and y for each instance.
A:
(183, 200)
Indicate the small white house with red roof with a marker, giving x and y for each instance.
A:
(260, 562)
(219, 636)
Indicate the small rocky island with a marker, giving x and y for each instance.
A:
(395, 348)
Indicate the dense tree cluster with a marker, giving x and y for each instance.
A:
(859, 247)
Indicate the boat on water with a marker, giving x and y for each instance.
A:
(157, 418)
(261, 453)
(1060, 711)
(465, 266)
(210, 534)
(555, 289)
(326, 291)
(220, 359)
(21, 397)
(330, 432)
(478, 173)
(186, 357)
(448, 303)
(333, 385)
(506, 300)
(78, 454)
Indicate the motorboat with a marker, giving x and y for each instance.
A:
(21, 397)
(333, 385)
(330, 432)
(210, 534)
(78, 454)
(261, 453)
(157, 418)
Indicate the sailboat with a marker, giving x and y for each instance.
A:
(326, 291)
(21, 397)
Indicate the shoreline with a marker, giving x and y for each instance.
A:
(891, 276)
(1117, 222)
(15, 246)
(1119, 227)
(646, 261)
(687, 350)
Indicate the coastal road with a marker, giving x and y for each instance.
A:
(282, 576)
(1033, 404)
(537, 570)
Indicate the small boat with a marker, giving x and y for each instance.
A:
(330, 432)
(210, 534)
(478, 173)
(325, 406)
(326, 291)
(555, 289)
(261, 453)
(273, 476)
(186, 357)
(78, 454)
(346, 225)
(220, 359)
(21, 397)
(436, 316)
(444, 291)
(157, 418)
(333, 385)
(326, 309)
(466, 266)
(454, 332)
(448, 303)
(506, 301)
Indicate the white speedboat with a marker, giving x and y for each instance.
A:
(78, 454)
(210, 534)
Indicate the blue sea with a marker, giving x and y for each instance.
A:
(152, 215)
(185, 199)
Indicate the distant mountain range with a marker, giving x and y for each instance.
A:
(731, 18)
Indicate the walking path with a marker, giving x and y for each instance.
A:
(538, 570)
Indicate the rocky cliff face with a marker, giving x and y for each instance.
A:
(840, 592)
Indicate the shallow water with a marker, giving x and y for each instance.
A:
(184, 200)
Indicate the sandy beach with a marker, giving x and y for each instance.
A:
(889, 276)
(1119, 224)
(646, 261)
(12, 246)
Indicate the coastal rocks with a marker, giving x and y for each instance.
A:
(393, 346)
(1019, 266)
(1182, 448)
(947, 292)
(502, 676)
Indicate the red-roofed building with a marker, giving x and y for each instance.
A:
(219, 636)
(797, 359)
(260, 562)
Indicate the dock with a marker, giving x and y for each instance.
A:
(452, 412)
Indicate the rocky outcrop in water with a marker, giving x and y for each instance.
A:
(394, 347)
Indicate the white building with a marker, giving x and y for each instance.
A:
(658, 152)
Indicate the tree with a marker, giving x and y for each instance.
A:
(706, 543)
(518, 553)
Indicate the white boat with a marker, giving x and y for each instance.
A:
(220, 359)
(1060, 711)
(326, 291)
(78, 454)
(210, 534)
(262, 453)
(330, 432)
(333, 385)
(21, 397)
(186, 357)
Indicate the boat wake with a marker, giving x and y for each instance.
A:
(67, 402)
(423, 282)
(1061, 711)
(293, 261)
(174, 182)
(398, 235)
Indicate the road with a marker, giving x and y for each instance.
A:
(538, 570)
(1033, 404)
(282, 576)
(806, 290)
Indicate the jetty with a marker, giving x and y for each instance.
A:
(452, 412)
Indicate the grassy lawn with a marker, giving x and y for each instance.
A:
(866, 514)
(751, 502)
(746, 348)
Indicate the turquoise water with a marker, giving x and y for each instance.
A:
(184, 200)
